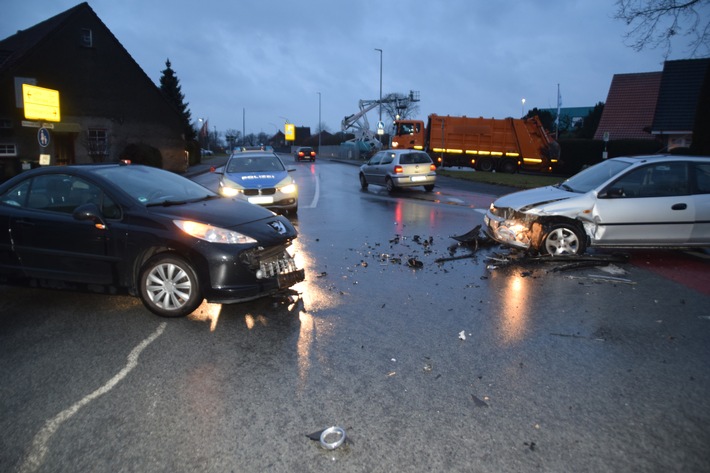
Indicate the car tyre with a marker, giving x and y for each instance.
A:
(363, 181)
(389, 184)
(509, 166)
(563, 239)
(169, 286)
(429, 187)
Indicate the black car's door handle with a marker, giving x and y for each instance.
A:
(679, 206)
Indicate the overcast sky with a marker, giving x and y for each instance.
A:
(268, 59)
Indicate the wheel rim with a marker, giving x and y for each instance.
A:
(168, 286)
(562, 241)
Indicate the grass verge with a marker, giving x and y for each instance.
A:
(520, 181)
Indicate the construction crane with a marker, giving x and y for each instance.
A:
(358, 125)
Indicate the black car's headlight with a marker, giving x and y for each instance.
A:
(212, 234)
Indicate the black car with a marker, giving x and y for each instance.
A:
(150, 232)
(305, 153)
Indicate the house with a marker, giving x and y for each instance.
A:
(678, 101)
(630, 106)
(106, 101)
(663, 106)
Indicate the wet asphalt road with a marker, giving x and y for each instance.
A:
(472, 364)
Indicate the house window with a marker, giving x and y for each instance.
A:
(8, 149)
(97, 144)
(87, 39)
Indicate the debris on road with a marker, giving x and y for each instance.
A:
(330, 438)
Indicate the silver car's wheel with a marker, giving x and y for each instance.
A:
(389, 184)
(363, 181)
(563, 239)
(169, 286)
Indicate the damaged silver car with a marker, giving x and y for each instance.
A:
(630, 202)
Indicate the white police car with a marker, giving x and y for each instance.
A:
(260, 178)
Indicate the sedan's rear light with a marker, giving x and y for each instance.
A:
(432, 167)
(398, 169)
(313, 153)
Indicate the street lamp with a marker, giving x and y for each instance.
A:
(319, 122)
(376, 49)
(523, 115)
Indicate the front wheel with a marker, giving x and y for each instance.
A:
(563, 239)
(363, 181)
(169, 286)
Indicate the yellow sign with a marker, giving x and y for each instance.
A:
(40, 103)
(290, 131)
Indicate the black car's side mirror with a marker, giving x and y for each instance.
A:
(90, 212)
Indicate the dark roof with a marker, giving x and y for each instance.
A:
(13, 48)
(679, 93)
(630, 106)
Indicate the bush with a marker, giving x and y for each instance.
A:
(577, 154)
(141, 153)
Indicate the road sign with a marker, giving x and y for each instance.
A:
(41, 103)
(43, 137)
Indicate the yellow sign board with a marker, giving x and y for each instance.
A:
(41, 103)
(290, 131)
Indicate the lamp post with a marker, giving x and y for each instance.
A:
(523, 115)
(319, 122)
(377, 49)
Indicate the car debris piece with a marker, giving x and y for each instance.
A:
(414, 263)
(326, 436)
(471, 235)
(462, 335)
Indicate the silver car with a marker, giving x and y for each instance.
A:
(633, 202)
(399, 168)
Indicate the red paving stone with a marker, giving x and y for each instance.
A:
(692, 269)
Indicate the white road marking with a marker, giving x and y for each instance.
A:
(39, 445)
(316, 196)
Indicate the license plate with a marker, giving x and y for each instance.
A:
(262, 199)
(418, 178)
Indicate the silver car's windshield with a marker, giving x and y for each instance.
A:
(593, 177)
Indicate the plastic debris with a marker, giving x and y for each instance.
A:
(462, 335)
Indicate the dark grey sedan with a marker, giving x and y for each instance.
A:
(151, 232)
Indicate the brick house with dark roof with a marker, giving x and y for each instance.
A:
(630, 106)
(663, 106)
(106, 100)
(678, 101)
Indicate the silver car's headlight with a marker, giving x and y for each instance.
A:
(212, 234)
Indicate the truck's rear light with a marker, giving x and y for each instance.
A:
(398, 169)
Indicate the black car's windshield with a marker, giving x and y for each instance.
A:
(152, 185)
(266, 163)
(593, 177)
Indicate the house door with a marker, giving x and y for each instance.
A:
(64, 148)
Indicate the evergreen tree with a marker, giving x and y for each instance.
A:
(170, 87)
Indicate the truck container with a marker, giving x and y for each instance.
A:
(486, 144)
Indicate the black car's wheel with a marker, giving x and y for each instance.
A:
(389, 184)
(429, 188)
(169, 286)
(563, 239)
(363, 181)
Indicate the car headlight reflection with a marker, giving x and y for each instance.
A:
(212, 234)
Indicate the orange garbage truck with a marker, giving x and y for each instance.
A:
(485, 144)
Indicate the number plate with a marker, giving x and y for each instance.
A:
(261, 199)
(418, 178)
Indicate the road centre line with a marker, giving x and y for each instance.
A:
(39, 449)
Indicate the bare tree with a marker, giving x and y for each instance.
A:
(655, 23)
(400, 105)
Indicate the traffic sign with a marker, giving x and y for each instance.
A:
(43, 137)
(40, 103)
